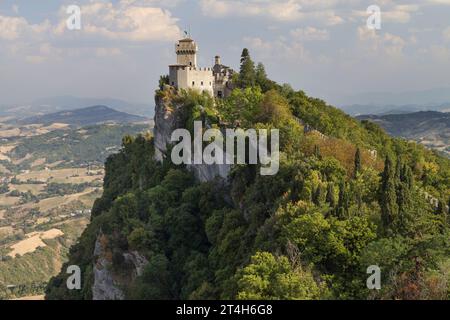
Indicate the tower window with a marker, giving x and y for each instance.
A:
(202, 83)
(193, 83)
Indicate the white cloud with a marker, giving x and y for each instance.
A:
(129, 20)
(444, 2)
(278, 10)
(389, 13)
(13, 28)
(103, 24)
(151, 3)
(283, 49)
(106, 52)
(387, 43)
(124, 21)
(310, 33)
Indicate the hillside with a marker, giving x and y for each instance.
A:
(347, 196)
(49, 178)
(430, 128)
(83, 117)
(75, 146)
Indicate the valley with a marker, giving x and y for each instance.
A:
(50, 175)
(429, 128)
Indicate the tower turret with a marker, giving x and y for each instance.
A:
(186, 50)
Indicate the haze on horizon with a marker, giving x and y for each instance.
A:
(323, 47)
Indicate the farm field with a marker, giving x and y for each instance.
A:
(50, 177)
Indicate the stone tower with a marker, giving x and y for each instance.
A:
(186, 74)
(186, 50)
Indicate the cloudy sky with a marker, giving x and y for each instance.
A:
(323, 47)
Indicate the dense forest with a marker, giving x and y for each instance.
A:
(347, 196)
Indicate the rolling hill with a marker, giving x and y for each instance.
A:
(430, 128)
(85, 116)
(65, 103)
(49, 179)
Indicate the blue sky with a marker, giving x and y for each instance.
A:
(323, 47)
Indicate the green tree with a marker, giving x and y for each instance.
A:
(343, 201)
(317, 151)
(261, 75)
(440, 209)
(262, 80)
(317, 197)
(330, 196)
(405, 182)
(247, 74)
(154, 283)
(388, 195)
(358, 167)
(332, 245)
(163, 80)
(273, 109)
(273, 278)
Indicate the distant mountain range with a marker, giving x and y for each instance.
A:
(430, 128)
(429, 97)
(361, 109)
(63, 103)
(85, 116)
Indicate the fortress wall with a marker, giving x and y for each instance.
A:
(196, 78)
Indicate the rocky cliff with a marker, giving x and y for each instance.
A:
(106, 284)
(168, 117)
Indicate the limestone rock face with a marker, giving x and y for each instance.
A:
(137, 260)
(105, 286)
(168, 117)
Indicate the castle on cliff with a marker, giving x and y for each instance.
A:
(186, 74)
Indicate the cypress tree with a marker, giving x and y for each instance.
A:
(343, 201)
(357, 169)
(247, 76)
(245, 55)
(261, 77)
(398, 169)
(317, 151)
(330, 195)
(441, 211)
(317, 195)
(388, 195)
(404, 181)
